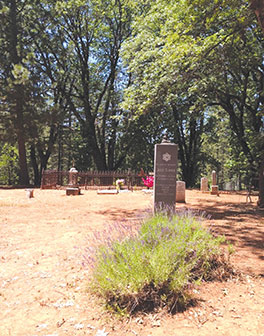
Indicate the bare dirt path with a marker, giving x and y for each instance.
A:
(43, 283)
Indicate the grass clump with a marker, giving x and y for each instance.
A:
(158, 266)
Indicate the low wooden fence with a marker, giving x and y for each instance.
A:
(52, 179)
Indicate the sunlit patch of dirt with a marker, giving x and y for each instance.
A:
(43, 284)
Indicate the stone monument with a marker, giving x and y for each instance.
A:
(204, 184)
(73, 188)
(165, 171)
(214, 190)
(213, 177)
(180, 191)
(73, 174)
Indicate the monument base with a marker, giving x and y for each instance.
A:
(164, 208)
(107, 192)
(73, 191)
(215, 190)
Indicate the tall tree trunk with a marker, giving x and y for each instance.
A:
(261, 185)
(19, 126)
(60, 149)
(89, 133)
(189, 148)
(258, 7)
(35, 165)
(111, 148)
(44, 158)
(18, 97)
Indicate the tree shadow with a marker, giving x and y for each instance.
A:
(125, 215)
(242, 224)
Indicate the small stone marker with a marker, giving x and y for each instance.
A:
(180, 191)
(214, 190)
(30, 193)
(165, 171)
(204, 184)
(229, 186)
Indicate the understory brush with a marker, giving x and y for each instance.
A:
(159, 266)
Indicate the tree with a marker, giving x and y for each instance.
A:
(91, 35)
(154, 89)
(8, 164)
(51, 84)
(14, 76)
(29, 109)
(210, 51)
(258, 7)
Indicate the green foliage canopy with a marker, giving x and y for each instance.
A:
(203, 53)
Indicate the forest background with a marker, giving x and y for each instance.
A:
(100, 82)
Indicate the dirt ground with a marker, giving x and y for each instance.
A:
(43, 283)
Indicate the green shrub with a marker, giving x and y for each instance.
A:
(158, 266)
